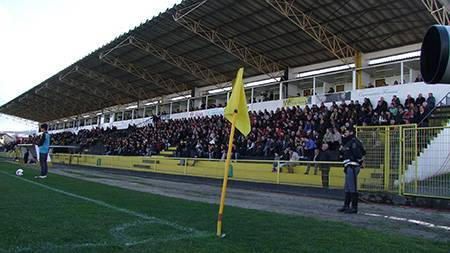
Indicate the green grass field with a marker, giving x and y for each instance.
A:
(62, 214)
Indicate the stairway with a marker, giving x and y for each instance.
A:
(440, 116)
(431, 160)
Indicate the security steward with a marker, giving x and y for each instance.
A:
(353, 154)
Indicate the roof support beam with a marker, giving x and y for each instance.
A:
(105, 97)
(48, 109)
(78, 99)
(58, 104)
(163, 83)
(231, 46)
(334, 44)
(126, 88)
(23, 110)
(438, 10)
(195, 69)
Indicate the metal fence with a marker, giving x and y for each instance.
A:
(426, 163)
(383, 145)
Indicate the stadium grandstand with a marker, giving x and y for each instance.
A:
(312, 70)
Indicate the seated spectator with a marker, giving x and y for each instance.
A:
(420, 99)
(396, 100)
(409, 100)
(382, 106)
(331, 90)
(418, 79)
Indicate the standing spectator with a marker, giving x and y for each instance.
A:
(421, 119)
(276, 161)
(316, 166)
(431, 101)
(325, 155)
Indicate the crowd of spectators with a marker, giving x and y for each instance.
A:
(275, 134)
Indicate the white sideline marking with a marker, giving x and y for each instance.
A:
(193, 233)
(417, 222)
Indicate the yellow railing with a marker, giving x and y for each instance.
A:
(384, 146)
(274, 172)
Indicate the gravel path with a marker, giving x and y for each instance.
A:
(416, 222)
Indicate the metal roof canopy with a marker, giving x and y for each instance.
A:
(154, 67)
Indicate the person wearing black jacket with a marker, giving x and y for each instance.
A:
(353, 154)
(325, 155)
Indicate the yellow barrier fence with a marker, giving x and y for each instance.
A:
(383, 145)
(426, 162)
(327, 174)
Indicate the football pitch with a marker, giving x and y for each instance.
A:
(61, 214)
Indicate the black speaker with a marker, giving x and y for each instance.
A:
(434, 58)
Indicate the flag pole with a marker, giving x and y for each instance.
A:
(225, 176)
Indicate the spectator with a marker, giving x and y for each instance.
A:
(395, 100)
(409, 100)
(420, 99)
(331, 90)
(382, 106)
(421, 118)
(325, 155)
(431, 101)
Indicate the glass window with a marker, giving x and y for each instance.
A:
(138, 114)
(107, 118)
(150, 111)
(95, 120)
(118, 116)
(127, 115)
(340, 88)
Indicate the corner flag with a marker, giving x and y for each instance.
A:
(236, 112)
(238, 103)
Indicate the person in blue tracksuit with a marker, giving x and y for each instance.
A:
(44, 146)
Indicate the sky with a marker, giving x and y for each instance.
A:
(40, 38)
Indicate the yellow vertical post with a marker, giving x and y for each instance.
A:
(185, 165)
(387, 157)
(225, 176)
(358, 66)
(416, 157)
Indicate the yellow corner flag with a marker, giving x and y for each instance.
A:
(238, 103)
(236, 112)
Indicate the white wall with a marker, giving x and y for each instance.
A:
(413, 89)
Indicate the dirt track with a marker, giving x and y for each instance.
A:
(423, 223)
